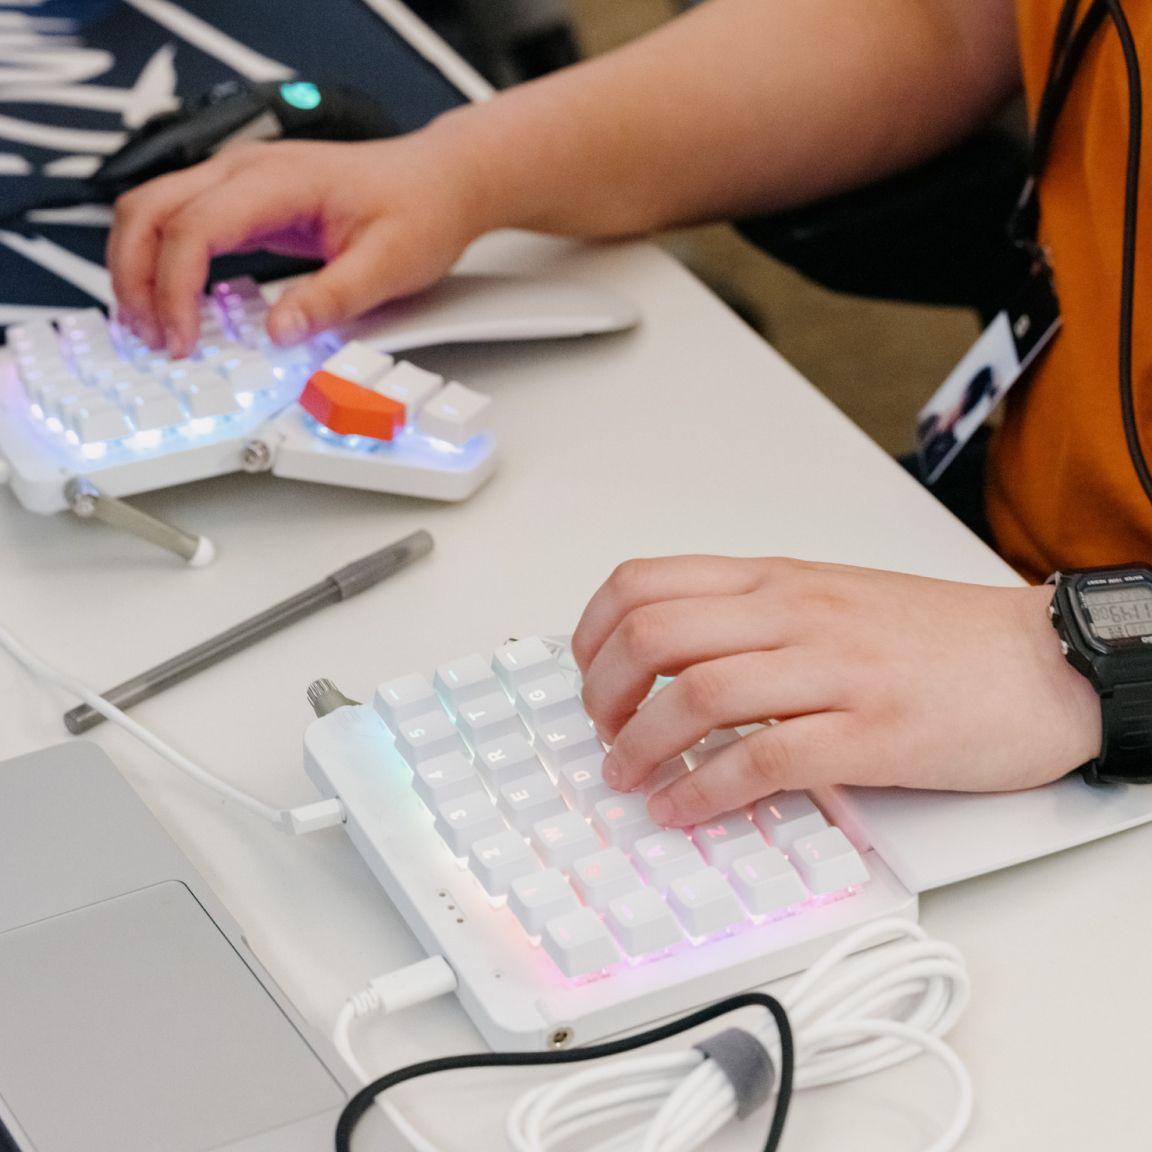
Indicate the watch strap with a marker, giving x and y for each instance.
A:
(1126, 713)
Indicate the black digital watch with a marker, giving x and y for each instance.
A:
(1104, 619)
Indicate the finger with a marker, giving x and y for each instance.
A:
(376, 266)
(134, 242)
(638, 582)
(800, 753)
(218, 220)
(665, 638)
(745, 689)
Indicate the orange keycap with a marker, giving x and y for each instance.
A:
(350, 409)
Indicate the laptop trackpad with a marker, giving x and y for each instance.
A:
(133, 1024)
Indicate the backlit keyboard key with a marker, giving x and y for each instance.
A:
(153, 407)
(545, 701)
(570, 738)
(404, 698)
(454, 414)
(622, 820)
(359, 363)
(529, 799)
(704, 903)
(603, 876)
(827, 861)
(642, 923)
(766, 883)
(426, 737)
(411, 386)
(665, 855)
(522, 661)
(539, 897)
(252, 375)
(582, 783)
(206, 397)
(498, 860)
(463, 820)
(467, 678)
(724, 839)
(488, 718)
(444, 778)
(97, 420)
(508, 758)
(579, 943)
(786, 817)
(561, 840)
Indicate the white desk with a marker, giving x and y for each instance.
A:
(689, 434)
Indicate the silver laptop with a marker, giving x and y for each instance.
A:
(133, 1015)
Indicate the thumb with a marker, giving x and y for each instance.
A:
(369, 271)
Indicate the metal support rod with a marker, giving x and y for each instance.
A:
(89, 503)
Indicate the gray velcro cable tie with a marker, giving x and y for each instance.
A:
(746, 1063)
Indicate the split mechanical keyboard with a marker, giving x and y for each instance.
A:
(475, 796)
(84, 398)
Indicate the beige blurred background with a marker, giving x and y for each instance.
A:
(879, 362)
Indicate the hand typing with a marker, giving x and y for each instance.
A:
(874, 677)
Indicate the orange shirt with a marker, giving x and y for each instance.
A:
(1062, 490)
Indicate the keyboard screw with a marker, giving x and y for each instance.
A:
(561, 1038)
(256, 456)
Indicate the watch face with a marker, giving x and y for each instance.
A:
(1118, 608)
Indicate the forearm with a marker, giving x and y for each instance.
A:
(741, 106)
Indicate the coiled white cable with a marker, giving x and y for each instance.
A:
(308, 818)
(851, 1015)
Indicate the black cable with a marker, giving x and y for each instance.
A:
(1128, 262)
(355, 1109)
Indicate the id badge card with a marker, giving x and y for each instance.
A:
(1001, 355)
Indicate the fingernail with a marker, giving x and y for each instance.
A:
(661, 809)
(611, 774)
(147, 332)
(288, 325)
(174, 343)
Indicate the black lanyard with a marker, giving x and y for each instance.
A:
(1071, 41)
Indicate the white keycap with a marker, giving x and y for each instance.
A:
(561, 840)
(508, 758)
(463, 820)
(704, 903)
(466, 678)
(622, 820)
(404, 698)
(665, 855)
(579, 943)
(487, 718)
(603, 876)
(426, 737)
(152, 407)
(562, 741)
(358, 363)
(727, 837)
(455, 414)
(498, 860)
(99, 367)
(253, 375)
(31, 333)
(827, 861)
(207, 394)
(411, 386)
(98, 420)
(766, 882)
(444, 778)
(583, 785)
(786, 816)
(529, 799)
(539, 897)
(522, 661)
(545, 701)
(642, 923)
